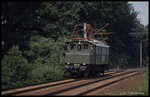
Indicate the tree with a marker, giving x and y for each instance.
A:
(17, 22)
(56, 19)
(47, 56)
(15, 68)
(140, 33)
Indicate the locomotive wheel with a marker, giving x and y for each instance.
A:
(93, 71)
(86, 74)
(103, 70)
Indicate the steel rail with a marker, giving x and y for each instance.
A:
(34, 87)
(88, 83)
(104, 85)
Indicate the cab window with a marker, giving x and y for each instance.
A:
(85, 46)
(103, 50)
(97, 50)
(100, 50)
(72, 46)
(79, 47)
(108, 51)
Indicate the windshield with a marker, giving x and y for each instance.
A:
(85, 46)
(72, 46)
(78, 47)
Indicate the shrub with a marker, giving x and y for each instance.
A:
(15, 68)
(46, 59)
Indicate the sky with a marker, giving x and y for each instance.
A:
(142, 8)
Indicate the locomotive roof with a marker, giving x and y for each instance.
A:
(99, 43)
(94, 42)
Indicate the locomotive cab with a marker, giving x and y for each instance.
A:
(79, 56)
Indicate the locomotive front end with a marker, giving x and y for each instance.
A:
(78, 57)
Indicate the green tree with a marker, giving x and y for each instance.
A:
(15, 68)
(56, 19)
(47, 56)
(17, 23)
(140, 33)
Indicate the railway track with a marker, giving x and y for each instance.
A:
(63, 86)
(37, 86)
(22, 89)
(88, 87)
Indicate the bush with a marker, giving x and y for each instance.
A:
(46, 59)
(47, 73)
(45, 62)
(15, 68)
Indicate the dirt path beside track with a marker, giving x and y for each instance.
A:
(125, 86)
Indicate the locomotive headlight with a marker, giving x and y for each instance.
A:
(68, 63)
(84, 64)
(79, 42)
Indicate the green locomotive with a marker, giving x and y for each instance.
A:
(86, 56)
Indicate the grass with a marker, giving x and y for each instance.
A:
(143, 90)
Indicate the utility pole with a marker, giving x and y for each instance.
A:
(140, 53)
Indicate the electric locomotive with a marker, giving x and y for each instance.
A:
(86, 56)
